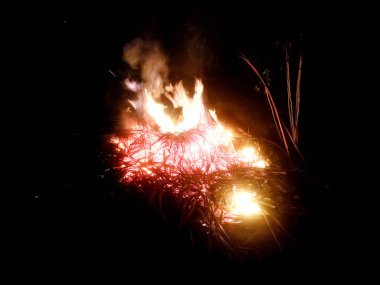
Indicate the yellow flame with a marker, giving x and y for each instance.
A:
(250, 155)
(193, 112)
(244, 203)
(193, 116)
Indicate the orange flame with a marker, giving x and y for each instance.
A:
(193, 117)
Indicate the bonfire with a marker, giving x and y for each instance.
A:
(176, 147)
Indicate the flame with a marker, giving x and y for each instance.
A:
(164, 147)
(244, 203)
(193, 111)
(209, 145)
(251, 155)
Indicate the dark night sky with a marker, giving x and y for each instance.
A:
(75, 215)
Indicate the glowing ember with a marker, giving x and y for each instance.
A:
(245, 203)
(250, 155)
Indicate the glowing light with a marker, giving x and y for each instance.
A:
(251, 156)
(260, 164)
(244, 203)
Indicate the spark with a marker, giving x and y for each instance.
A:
(110, 71)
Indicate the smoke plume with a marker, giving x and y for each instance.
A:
(147, 57)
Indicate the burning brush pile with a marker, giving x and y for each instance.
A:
(173, 146)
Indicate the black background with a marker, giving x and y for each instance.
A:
(67, 216)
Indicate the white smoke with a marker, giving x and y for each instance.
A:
(147, 57)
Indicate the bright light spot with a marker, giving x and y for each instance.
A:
(248, 154)
(260, 164)
(244, 203)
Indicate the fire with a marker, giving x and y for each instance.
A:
(250, 155)
(193, 111)
(245, 203)
(174, 152)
